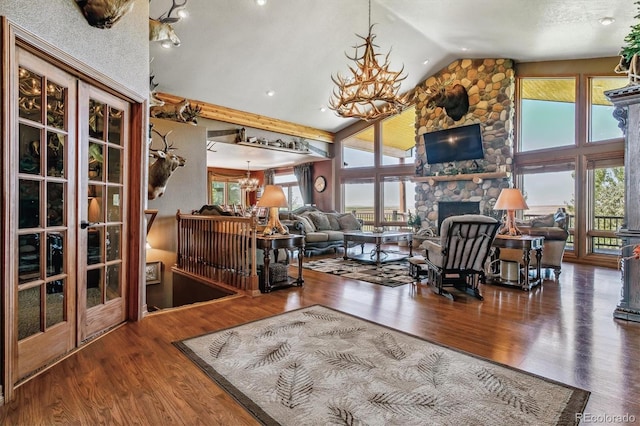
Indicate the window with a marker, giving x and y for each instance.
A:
(548, 114)
(548, 188)
(378, 164)
(224, 192)
(289, 184)
(570, 153)
(359, 199)
(398, 138)
(357, 150)
(399, 198)
(606, 207)
(602, 125)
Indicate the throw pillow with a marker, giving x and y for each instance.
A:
(333, 221)
(348, 222)
(320, 220)
(308, 226)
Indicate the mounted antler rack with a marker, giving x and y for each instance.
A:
(161, 30)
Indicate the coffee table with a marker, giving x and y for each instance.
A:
(377, 255)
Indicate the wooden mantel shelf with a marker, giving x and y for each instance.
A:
(475, 177)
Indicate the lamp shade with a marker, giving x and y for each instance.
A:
(510, 199)
(273, 196)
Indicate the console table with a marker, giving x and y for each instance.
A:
(526, 243)
(377, 238)
(268, 243)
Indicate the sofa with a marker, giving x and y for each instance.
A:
(322, 230)
(553, 227)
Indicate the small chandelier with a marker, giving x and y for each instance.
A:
(372, 90)
(248, 183)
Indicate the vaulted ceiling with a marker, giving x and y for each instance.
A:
(234, 51)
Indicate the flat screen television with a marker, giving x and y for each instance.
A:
(455, 144)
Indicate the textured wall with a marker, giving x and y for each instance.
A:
(121, 53)
(186, 191)
(490, 85)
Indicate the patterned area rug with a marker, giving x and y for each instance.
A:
(318, 366)
(392, 274)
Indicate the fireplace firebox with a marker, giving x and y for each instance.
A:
(455, 208)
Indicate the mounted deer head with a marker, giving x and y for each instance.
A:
(161, 30)
(161, 169)
(453, 99)
(104, 13)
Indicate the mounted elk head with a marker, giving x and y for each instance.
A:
(161, 30)
(161, 169)
(453, 99)
(104, 13)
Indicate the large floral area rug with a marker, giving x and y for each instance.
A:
(318, 366)
(391, 274)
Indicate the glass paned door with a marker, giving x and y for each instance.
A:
(101, 159)
(43, 176)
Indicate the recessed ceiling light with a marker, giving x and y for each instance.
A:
(183, 13)
(425, 62)
(261, 2)
(464, 49)
(322, 109)
(607, 20)
(270, 93)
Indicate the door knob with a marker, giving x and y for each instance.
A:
(84, 224)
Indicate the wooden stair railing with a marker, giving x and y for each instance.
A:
(220, 250)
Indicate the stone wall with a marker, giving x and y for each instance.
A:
(490, 85)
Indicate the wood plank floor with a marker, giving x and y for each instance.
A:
(134, 375)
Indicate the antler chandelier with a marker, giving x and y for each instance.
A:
(248, 183)
(372, 89)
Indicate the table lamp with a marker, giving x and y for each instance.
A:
(273, 197)
(510, 199)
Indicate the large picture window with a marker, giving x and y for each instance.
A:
(548, 115)
(376, 172)
(559, 164)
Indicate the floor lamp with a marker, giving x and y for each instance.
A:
(510, 199)
(273, 197)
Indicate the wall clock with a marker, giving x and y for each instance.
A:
(320, 183)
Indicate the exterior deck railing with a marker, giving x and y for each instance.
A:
(605, 244)
(219, 250)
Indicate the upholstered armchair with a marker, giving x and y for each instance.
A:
(459, 257)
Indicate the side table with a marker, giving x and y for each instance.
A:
(273, 243)
(526, 243)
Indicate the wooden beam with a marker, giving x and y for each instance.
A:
(229, 115)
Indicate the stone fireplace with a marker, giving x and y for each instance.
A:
(490, 85)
